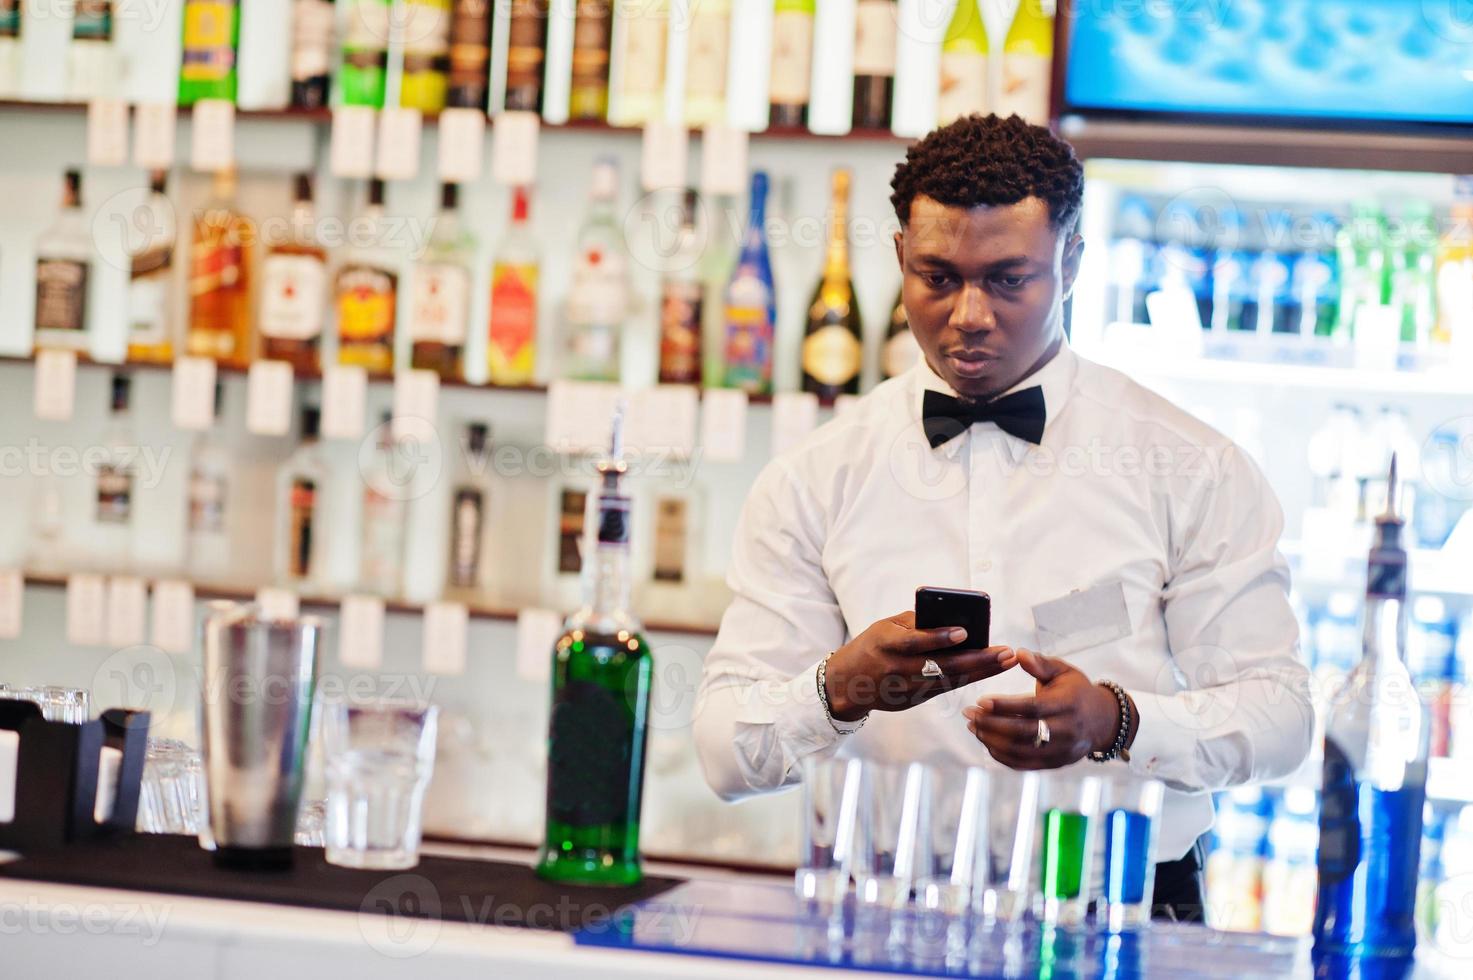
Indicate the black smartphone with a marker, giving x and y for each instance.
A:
(936, 607)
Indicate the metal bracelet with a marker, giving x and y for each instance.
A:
(823, 697)
(1117, 749)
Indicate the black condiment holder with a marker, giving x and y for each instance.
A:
(57, 771)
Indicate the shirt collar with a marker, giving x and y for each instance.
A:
(1055, 377)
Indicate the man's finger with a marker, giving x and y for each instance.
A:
(971, 665)
(915, 641)
(1044, 669)
(1019, 731)
(906, 619)
(1042, 706)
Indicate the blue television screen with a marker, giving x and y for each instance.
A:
(1381, 60)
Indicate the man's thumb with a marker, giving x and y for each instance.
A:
(1044, 669)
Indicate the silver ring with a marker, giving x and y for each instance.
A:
(1041, 739)
(931, 669)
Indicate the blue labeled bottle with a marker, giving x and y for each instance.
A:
(1375, 778)
(751, 304)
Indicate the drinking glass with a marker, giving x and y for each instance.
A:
(1067, 822)
(68, 704)
(1013, 824)
(831, 795)
(1131, 821)
(894, 833)
(379, 758)
(958, 841)
(171, 794)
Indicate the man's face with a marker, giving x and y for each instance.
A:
(984, 289)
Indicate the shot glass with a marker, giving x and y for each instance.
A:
(1067, 822)
(958, 842)
(379, 758)
(1129, 827)
(1013, 845)
(894, 834)
(831, 801)
(171, 794)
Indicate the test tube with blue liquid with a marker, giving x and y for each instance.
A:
(1129, 828)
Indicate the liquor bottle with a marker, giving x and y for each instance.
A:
(1315, 285)
(1414, 273)
(1234, 297)
(294, 290)
(385, 492)
(426, 55)
(598, 297)
(207, 529)
(9, 48)
(1182, 261)
(900, 352)
(564, 583)
(1027, 63)
(301, 544)
(367, 291)
(110, 542)
(1455, 277)
(526, 53)
(211, 36)
(964, 54)
(751, 304)
(792, 62)
(314, 24)
(470, 506)
(366, 53)
(511, 349)
(470, 54)
(833, 343)
(220, 271)
(92, 59)
(1364, 265)
(641, 93)
(707, 42)
(1132, 266)
(150, 314)
(63, 266)
(592, 31)
(875, 34)
(602, 671)
(440, 304)
(681, 300)
(1375, 775)
(720, 236)
(1271, 273)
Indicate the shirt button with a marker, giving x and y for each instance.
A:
(984, 566)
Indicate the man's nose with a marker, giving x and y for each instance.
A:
(972, 311)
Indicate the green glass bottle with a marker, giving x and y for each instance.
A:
(211, 37)
(366, 53)
(601, 676)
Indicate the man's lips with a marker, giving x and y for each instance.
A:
(969, 364)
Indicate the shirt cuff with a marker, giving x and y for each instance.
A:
(1164, 748)
(794, 711)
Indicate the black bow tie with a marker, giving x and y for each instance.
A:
(1019, 414)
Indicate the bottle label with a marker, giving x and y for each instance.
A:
(705, 69)
(670, 537)
(441, 304)
(1027, 76)
(748, 332)
(963, 85)
(466, 514)
(216, 266)
(312, 32)
(61, 294)
(874, 37)
(206, 503)
(9, 18)
(383, 530)
(293, 296)
(470, 49)
(426, 36)
(590, 755)
(591, 31)
(301, 502)
(832, 355)
(209, 55)
(792, 57)
(680, 332)
(525, 35)
(366, 41)
(644, 51)
(513, 331)
(900, 354)
(366, 305)
(572, 507)
(92, 20)
(147, 305)
(114, 494)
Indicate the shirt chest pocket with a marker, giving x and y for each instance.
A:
(1081, 619)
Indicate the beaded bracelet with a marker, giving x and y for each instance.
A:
(1117, 750)
(823, 696)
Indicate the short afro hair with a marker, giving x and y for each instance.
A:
(987, 160)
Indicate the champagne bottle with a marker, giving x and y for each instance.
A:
(294, 289)
(151, 323)
(792, 62)
(708, 40)
(439, 313)
(964, 53)
(470, 54)
(367, 289)
(366, 53)
(681, 296)
(511, 348)
(875, 30)
(221, 269)
(751, 304)
(426, 55)
(900, 352)
(1027, 63)
(526, 54)
(833, 343)
(602, 672)
(211, 35)
(313, 28)
(63, 267)
(592, 29)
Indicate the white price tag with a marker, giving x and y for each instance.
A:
(107, 133)
(173, 616)
(9, 754)
(351, 154)
(56, 384)
(344, 394)
(278, 604)
(537, 633)
(663, 156)
(580, 414)
(398, 143)
(514, 148)
(269, 398)
(662, 421)
(194, 393)
(361, 632)
(794, 415)
(12, 601)
(212, 144)
(127, 609)
(86, 610)
(1377, 338)
(416, 396)
(844, 403)
(109, 765)
(723, 160)
(724, 425)
(462, 145)
(153, 135)
(444, 639)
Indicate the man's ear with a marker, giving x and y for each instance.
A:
(1073, 252)
(900, 251)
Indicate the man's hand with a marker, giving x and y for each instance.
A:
(1082, 717)
(880, 669)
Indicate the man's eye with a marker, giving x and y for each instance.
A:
(935, 279)
(1013, 282)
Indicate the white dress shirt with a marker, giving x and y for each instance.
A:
(839, 531)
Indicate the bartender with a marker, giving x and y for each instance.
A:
(1140, 607)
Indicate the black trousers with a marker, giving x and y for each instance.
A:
(1181, 890)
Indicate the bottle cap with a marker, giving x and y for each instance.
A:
(158, 180)
(520, 202)
(72, 192)
(476, 434)
(449, 196)
(376, 191)
(303, 183)
(121, 388)
(311, 417)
